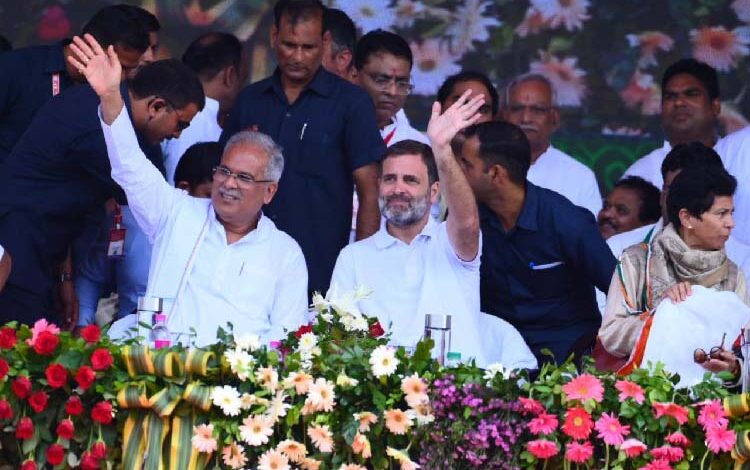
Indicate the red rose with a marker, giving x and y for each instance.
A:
(302, 330)
(85, 377)
(6, 411)
(89, 462)
(101, 359)
(28, 465)
(66, 429)
(99, 449)
(102, 412)
(74, 406)
(21, 387)
(25, 428)
(7, 337)
(46, 343)
(38, 401)
(91, 333)
(4, 367)
(55, 454)
(57, 376)
(376, 330)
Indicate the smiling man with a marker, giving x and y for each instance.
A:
(215, 260)
(632, 203)
(690, 107)
(327, 129)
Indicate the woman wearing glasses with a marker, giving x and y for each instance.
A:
(688, 252)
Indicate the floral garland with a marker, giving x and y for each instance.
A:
(334, 395)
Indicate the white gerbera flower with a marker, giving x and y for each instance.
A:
(383, 361)
(278, 406)
(227, 398)
(433, 63)
(471, 24)
(256, 429)
(369, 14)
(308, 341)
(240, 362)
(248, 342)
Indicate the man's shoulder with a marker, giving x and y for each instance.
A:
(568, 163)
(619, 242)
(654, 157)
(26, 56)
(282, 240)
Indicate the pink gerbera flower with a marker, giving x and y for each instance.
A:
(584, 387)
(38, 328)
(531, 406)
(658, 464)
(611, 431)
(542, 449)
(633, 447)
(712, 415)
(720, 440)
(720, 48)
(673, 454)
(578, 423)
(630, 389)
(679, 413)
(678, 439)
(579, 453)
(545, 423)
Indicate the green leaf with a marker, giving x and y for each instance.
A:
(71, 359)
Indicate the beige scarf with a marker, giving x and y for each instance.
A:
(672, 261)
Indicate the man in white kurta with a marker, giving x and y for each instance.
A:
(215, 260)
(530, 104)
(415, 265)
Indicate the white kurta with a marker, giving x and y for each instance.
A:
(258, 283)
(426, 276)
(734, 150)
(203, 128)
(563, 174)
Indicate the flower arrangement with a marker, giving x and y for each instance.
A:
(56, 397)
(599, 420)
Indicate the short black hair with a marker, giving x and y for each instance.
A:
(446, 88)
(381, 41)
(5, 44)
(115, 25)
(342, 29)
(695, 189)
(197, 163)
(169, 79)
(212, 52)
(298, 10)
(649, 194)
(704, 73)
(412, 147)
(148, 20)
(505, 144)
(690, 155)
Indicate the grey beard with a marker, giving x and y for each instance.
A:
(417, 209)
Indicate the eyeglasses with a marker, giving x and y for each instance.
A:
(222, 173)
(383, 83)
(700, 356)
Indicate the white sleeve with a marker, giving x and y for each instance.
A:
(445, 240)
(150, 197)
(290, 300)
(344, 274)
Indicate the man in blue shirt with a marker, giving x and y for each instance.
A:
(59, 173)
(327, 129)
(541, 255)
(29, 77)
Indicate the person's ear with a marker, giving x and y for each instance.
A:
(716, 107)
(155, 105)
(555, 115)
(326, 39)
(687, 220)
(183, 185)
(343, 59)
(434, 191)
(230, 75)
(270, 192)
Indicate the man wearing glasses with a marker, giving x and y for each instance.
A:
(215, 261)
(58, 175)
(383, 61)
(530, 105)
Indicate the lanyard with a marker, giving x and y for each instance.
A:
(387, 139)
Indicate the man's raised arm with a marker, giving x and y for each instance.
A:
(463, 215)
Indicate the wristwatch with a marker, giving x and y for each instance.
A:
(65, 277)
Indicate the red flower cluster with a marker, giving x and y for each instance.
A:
(302, 330)
(46, 343)
(101, 359)
(7, 338)
(56, 375)
(91, 333)
(102, 412)
(376, 330)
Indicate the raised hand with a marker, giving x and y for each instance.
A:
(102, 69)
(442, 128)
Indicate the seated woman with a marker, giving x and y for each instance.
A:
(688, 251)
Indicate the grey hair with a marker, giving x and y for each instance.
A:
(530, 77)
(275, 165)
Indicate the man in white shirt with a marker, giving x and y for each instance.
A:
(530, 104)
(383, 61)
(734, 150)
(690, 107)
(415, 265)
(217, 60)
(215, 260)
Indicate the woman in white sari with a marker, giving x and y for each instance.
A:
(689, 251)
